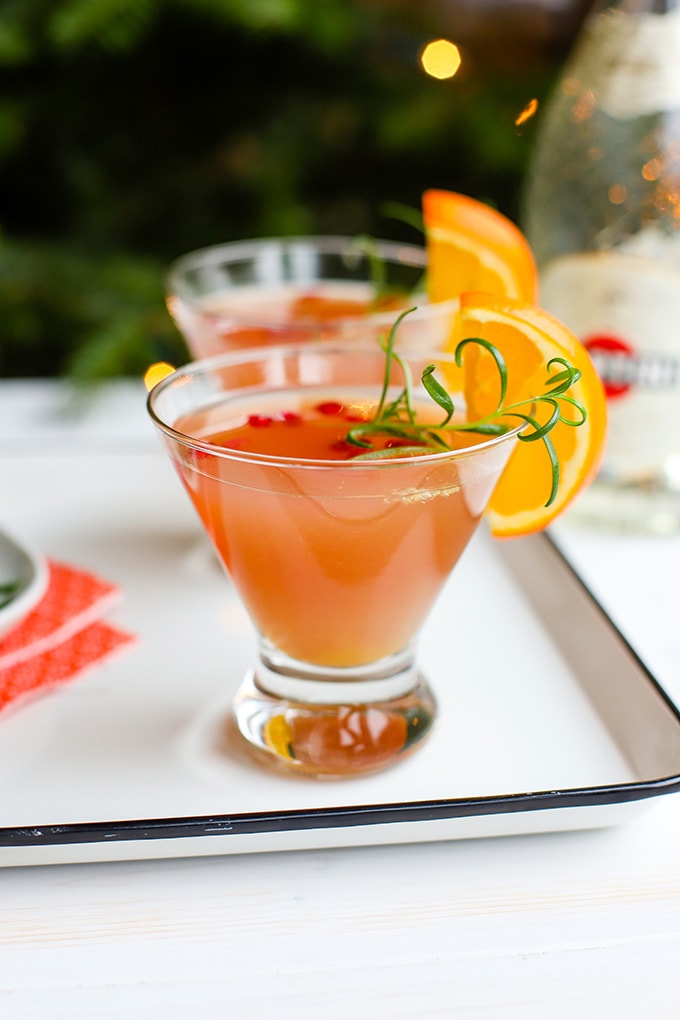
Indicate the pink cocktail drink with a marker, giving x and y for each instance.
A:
(338, 559)
(338, 562)
(275, 291)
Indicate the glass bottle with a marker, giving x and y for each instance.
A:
(602, 212)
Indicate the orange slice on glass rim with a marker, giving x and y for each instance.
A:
(529, 338)
(471, 246)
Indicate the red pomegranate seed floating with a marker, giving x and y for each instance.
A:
(329, 407)
(343, 446)
(259, 421)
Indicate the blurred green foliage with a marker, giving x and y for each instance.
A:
(132, 131)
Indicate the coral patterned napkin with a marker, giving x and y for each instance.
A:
(62, 636)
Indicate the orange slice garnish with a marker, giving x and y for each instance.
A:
(471, 246)
(528, 338)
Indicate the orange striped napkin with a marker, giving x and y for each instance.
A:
(62, 637)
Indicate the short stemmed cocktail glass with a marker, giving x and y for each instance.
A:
(303, 289)
(338, 561)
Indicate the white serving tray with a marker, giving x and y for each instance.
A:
(547, 720)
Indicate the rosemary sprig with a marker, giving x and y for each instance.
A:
(366, 247)
(396, 418)
(8, 590)
(404, 214)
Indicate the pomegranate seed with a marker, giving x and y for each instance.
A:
(329, 407)
(291, 417)
(342, 445)
(259, 421)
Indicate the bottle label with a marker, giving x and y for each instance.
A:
(626, 311)
(633, 62)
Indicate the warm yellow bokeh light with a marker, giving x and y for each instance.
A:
(440, 59)
(651, 171)
(156, 372)
(618, 193)
(527, 113)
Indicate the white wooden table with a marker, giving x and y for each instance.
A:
(581, 924)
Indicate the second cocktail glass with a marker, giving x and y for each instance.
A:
(303, 289)
(338, 561)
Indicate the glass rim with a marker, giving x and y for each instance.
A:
(406, 253)
(232, 358)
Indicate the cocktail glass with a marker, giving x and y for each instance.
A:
(302, 289)
(337, 562)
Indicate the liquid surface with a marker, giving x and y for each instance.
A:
(314, 428)
(325, 302)
(337, 567)
(262, 315)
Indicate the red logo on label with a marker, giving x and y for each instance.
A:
(612, 358)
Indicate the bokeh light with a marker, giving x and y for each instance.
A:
(440, 59)
(156, 372)
(527, 113)
(618, 193)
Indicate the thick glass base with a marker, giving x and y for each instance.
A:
(333, 728)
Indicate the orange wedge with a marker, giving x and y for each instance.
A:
(470, 246)
(528, 338)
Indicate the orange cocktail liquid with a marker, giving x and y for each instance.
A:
(253, 316)
(338, 561)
